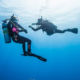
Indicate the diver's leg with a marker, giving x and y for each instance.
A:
(39, 57)
(25, 53)
(74, 30)
(23, 41)
(24, 48)
(29, 45)
(60, 31)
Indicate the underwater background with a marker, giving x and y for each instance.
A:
(62, 51)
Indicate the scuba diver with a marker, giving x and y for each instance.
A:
(12, 31)
(50, 28)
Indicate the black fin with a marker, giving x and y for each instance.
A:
(74, 30)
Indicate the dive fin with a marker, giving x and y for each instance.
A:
(74, 30)
(41, 58)
(31, 54)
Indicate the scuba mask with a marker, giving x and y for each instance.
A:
(14, 19)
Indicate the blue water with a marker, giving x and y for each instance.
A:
(62, 51)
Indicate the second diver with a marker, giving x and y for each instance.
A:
(50, 28)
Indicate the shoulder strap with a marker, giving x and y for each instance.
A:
(13, 23)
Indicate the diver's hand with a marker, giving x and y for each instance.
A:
(25, 31)
(30, 26)
(33, 23)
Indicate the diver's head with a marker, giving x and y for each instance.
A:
(14, 19)
(40, 20)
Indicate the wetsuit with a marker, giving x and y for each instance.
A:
(13, 30)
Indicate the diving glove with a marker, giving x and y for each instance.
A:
(30, 26)
(25, 31)
(33, 23)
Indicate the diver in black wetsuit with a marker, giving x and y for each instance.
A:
(14, 29)
(50, 28)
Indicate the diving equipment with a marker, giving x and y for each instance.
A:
(40, 20)
(14, 19)
(6, 32)
(74, 30)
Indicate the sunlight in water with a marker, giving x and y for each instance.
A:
(37, 8)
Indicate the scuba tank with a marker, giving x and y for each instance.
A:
(6, 32)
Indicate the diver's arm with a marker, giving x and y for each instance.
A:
(22, 29)
(36, 28)
(19, 26)
(36, 23)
